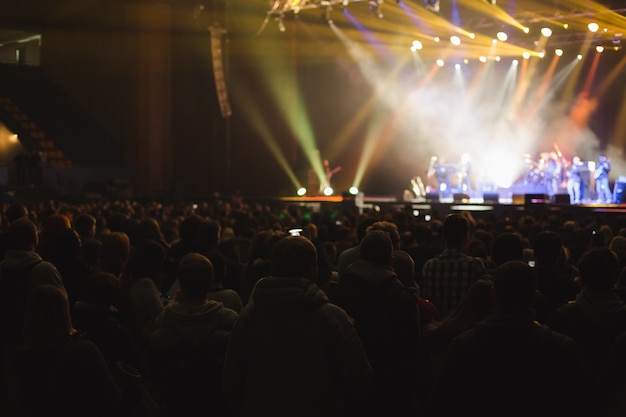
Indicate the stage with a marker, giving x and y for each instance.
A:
(487, 205)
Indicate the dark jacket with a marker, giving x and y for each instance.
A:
(386, 317)
(593, 320)
(186, 355)
(292, 353)
(511, 365)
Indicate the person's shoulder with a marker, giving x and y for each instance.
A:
(43, 264)
(335, 314)
(81, 344)
(550, 337)
(229, 314)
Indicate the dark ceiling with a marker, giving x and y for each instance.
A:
(245, 17)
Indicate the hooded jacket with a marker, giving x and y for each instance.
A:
(386, 317)
(180, 326)
(385, 313)
(41, 272)
(291, 353)
(511, 365)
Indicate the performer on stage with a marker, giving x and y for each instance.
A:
(442, 174)
(465, 167)
(552, 170)
(575, 184)
(601, 175)
(329, 174)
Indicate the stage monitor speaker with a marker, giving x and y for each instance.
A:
(491, 198)
(432, 197)
(536, 199)
(561, 199)
(460, 198)
(518, 198)
(618, 192)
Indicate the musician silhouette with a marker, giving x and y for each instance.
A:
(442, 173)
(575, 184)
(601, 175)
(465, 167)
(329, 174)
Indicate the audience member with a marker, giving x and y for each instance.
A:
(509, 364)
(208, 238)
(259, 264)
(507, 246)
(59, 372)
(65, 255)
(597, 315)
(188, 343)
(556, 280)
(96, 316)
(140, 300)
(22, 270)
(291, 352)
(85, 226)
(387, 320)
(476, 305)
(114, 253)
(448, 275)
(229, 297)
(52, 226)
(347, 256)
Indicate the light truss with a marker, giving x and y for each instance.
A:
(281, 8)
(549, 17)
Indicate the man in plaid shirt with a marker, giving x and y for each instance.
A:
(447, 276)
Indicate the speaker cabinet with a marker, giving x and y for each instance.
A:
(491, 198)
(561, 199)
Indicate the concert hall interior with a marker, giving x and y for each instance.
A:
(408, 98)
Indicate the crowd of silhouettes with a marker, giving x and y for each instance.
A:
(155, 309)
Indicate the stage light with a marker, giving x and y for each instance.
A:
(498, 58)
(593, 27)
(301, 191)
(436, 39)
(457, 66)
(515, 62)
(472, 35)
(502, 36)
(617, 41)
(455, 40)
(416, 45)
(482, 59)
(600, 48)
(547, 32)
(580, 57)
(466, 61)
(440, 62)
(328, 191)
(375, 8)
(432, 5)
(526, 30)
(542, 54)
(281, 25)
(526, 55)
(558, 52)
(353, 190)
(565, 25)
